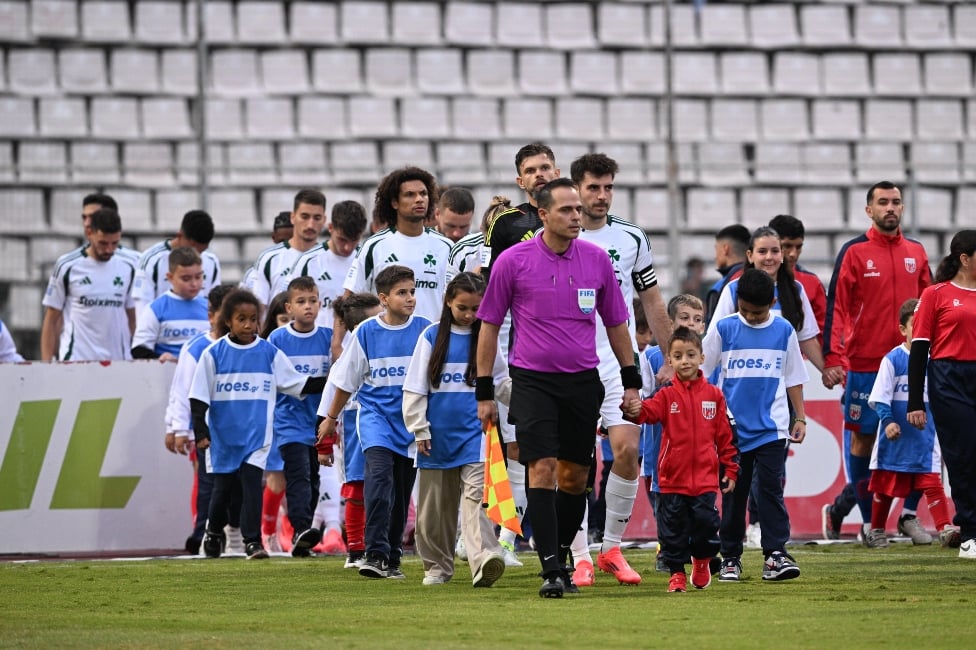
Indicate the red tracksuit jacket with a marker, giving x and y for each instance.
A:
(695, 438)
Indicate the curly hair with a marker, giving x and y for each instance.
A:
(388, 191)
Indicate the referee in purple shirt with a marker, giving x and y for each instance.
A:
(554, 285)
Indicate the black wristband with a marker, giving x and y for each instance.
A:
(631, 378)
(484, 388)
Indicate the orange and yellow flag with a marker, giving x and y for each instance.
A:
(498, 502)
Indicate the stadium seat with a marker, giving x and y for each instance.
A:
(171, 205)
(567, 151)
(651, 210)
(897, 75)
(772, 26)
(13, 259)
(888, 119)
(253, 246)
(631, 119)
(734, 120)
(148, 164)
(7, 162)
(165, 118)
(94, 163)
(62, 117)
(364, 22)
(135, 208)
(32, 71)
(372, 117)
(313, 23)
(936, 162)
(416, 23)
(796, 73)
(683, 30)
(501, 167)
(623, 203)
(226, 249)
(877, 160)
(691, 120)
(542, 73)
(134, 71)
(709, 209)
(593, 73)
(569, 26)
(820, 209)
(694, 73)
(969, 162)
(82, 70)
(188, 163)
(42, 163)
(440, 72)
(234, 73)
(642, 73)
(224, 119)
(284, 72)
(251, 163)
(401, 153)
(261, 23)
(17, 117)
(527, 119)
(54, 18)
(579, 119)
(355, 162)
(337, 71)
(971, 113)
(723, 25)
(233, 211)
(935, 212)
(470, 24)
(218, 22)
(877, 26)
(846, 75)
(778, 163)
(939, 119)
(760, 204)
(722, 164)
(927, 26)
(826, 164)
(389, 71)
(491, 72)
(965, 25)
(475, 119)
(322, 118)
(179, 75)
(657, 163)
(13, 21)
(159, 22)
(25, 306)
(65, 207)
(425, 117)
(269, 118)
(3, 69)
(518, 24)
(784, 119)
(824, 26)
(302, 163)
(817, 250)
(836, 119)
(621, 25)
(630, 158)
(43, 252)
(743, 73)
(948, 74)
(965, 199)
(337, 194)
(461, 163)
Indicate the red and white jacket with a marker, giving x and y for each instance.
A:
(695, 438)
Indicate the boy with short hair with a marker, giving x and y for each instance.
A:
(905, 459)
(698, 441)
(760, 366)
(175, 317)
(375, 363)
(307, 347)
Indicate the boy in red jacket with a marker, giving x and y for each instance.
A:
(696, 441)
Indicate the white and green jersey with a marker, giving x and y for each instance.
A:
(93, 297)
(466, 255)
(425, 254)
(272, 271)
(329, 272)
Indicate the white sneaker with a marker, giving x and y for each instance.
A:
(235, 543)
(271, 544)
(430, 581)
(967, 550)
(753, 536)
(508, 554)
(459, 549)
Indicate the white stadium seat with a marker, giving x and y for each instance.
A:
(135, 208)
(569, 26)
(62, 117)
(796, 73)
(364, 22)
(470, 24)
(6, 162)
(43, 163)
(32, 72)
(355, 162)
(13, 21)
(251, 163)
(897, 74)
(694, 73)
(593, 73)
(148, 164)
(826, 164)
(94, 163)
(743, 73)
(440, 72)
(630, 158)
(836, 119)
(416, 23)
(935, 210)
(651, 210)
(159, 22)
(939, 119)
(965, 25)
(927, 26)
(690, 120)
(735, 120)
(773, 26)
(171, 205)
(527, 119)
(518, 24)
(969, 162)
(284, 72)
(542, 73)
(819, 209)
(491, 72)
(314, 23)
(389, 71)
(722, 163)
(398, 154)
(425, 117)
(657, 163)
(179, 72)
(948, 74)
(621, 25)
(824, 26)
(233, 211)
(475, 118)
(877, 26)
(337, 71)
(322, 118)
(723, 25)
(302, 163)
(65, 208)
(13, 259)
(631, 119)
(846, 75)
(269, 118)
(580, 119)
(642, 73)
(82, 70)
(965, 200)
(16, 203)
(17, 116)
(778, 163)
(888, 119)
(223, 119)
(784, 119)
(134, 71)
(876, 160)
(683, 30)
(710, 209)
(115, 118)
(234, 73)
(372, 117)
(261, 23)
(54, 18)
(166, 118)
(760, 204)
(461, 163)
(936, 162)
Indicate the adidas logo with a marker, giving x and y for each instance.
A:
(392, 259)
(85, 280)
(325, 277)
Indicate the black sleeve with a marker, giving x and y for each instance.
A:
(141, 352)
(198, 411)
(917, 361)
(314, 385)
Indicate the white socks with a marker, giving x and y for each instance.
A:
(580, 546)
(516, 477)
(620, 495)
(328, 512)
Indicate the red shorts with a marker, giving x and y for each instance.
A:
(901, 484)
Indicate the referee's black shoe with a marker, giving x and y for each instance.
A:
(569, 586)
(552, 587)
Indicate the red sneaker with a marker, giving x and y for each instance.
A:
(583, 575)
(613, 562)
(332, 543)
(678, 583)
(701, 573)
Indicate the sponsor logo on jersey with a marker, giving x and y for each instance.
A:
(235, 387)
(870, 264)
(426, 284)
(392, 371)
(179, 332)
(956, 302)
(709, 409)
(910, 264)
(674, 407)
(757, 363)
(586, 299)
(452, 378)
(85, 301)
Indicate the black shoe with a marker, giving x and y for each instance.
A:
(255, 551)
(192, 545)
(214, 544)
(375, 566)
(552, 587)
(302, 543)
(715, 565)
(569, 586)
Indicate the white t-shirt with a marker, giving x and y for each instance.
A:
(272, 271)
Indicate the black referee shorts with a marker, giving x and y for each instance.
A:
(555, 414)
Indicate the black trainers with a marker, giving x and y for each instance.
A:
(213, 544)
(780, 566)
(302, 543)
(394, 573)
(830, 523)
(374, 566)
(255, 551)
(731, 570)
(552, 587)
(192, 545)
(569, 587)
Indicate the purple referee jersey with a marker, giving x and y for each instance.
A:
(554, 300)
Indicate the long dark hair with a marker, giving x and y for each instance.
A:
(467, 283)
(790, 302)
(963, 243)
(275, 307)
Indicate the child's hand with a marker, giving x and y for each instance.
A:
(182, 444)
(728, 483)
(893, 431)
(799, 431)
(326, 460)
(170, 442)
(327, 428)
(917, 419)
(423, 447)
(631, 408)
(167, 356)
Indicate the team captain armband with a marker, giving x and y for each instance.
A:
(630, 376)
(645, 279)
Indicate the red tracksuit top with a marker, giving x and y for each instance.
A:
(874, 274)
(695, 438)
